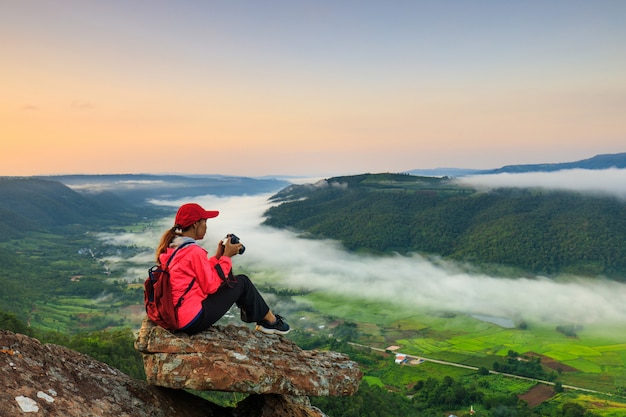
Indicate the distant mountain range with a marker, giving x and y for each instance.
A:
(606, 161)
(44, 203)
(137, 189)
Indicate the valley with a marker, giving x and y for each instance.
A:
(74, 281)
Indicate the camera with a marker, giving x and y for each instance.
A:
(234, 239)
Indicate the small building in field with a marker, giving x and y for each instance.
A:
(401, 358)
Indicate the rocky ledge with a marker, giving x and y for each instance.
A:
(238, 359)
(51, 380)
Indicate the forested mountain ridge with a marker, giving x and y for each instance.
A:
(37, 204)
(543, 232)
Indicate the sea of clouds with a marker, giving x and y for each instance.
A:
(411, 281)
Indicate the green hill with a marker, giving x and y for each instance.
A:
(543, 232)
(28, 204)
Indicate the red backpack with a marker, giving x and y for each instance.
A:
(157, 295)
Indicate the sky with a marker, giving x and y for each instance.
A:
(307, 88)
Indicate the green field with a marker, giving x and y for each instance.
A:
(598, 353)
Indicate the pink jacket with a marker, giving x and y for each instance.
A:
(191, 262)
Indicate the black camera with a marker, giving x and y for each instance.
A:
(234, 239)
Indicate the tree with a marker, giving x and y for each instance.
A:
(483, 371)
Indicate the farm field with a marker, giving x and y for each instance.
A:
(594, 360)
(62, 313)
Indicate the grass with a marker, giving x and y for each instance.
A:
(62, 313)
(502, 384)
(374, 381)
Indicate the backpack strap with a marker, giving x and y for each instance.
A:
(180, 300)
(220, 271)
(176, 250)
(228, 280)
(182, 297)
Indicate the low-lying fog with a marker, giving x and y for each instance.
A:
(599, 182)
(409, 280)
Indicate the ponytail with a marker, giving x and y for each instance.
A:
(166, 239)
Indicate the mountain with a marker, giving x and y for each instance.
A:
(542, 232)
(606, 161)
(138, 189)
(35, 204)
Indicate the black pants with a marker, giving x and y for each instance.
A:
(238, 290)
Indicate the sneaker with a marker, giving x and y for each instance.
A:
(278, 327)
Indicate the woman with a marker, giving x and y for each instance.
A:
(204, 295)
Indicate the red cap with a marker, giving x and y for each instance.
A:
(190, 213)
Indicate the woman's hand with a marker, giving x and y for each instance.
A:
(230, 249)
(220, 250)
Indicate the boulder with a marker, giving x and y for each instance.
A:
(238, 359)
(51, 380)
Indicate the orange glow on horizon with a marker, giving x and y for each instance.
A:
(116, 94)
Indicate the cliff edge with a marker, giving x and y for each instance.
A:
(238, 359)
(51, 380)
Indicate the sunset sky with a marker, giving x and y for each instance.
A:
(307, 87)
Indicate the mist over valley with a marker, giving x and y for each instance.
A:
(415, 281)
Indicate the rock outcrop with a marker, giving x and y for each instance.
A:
(50, 380)
(235, 358)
